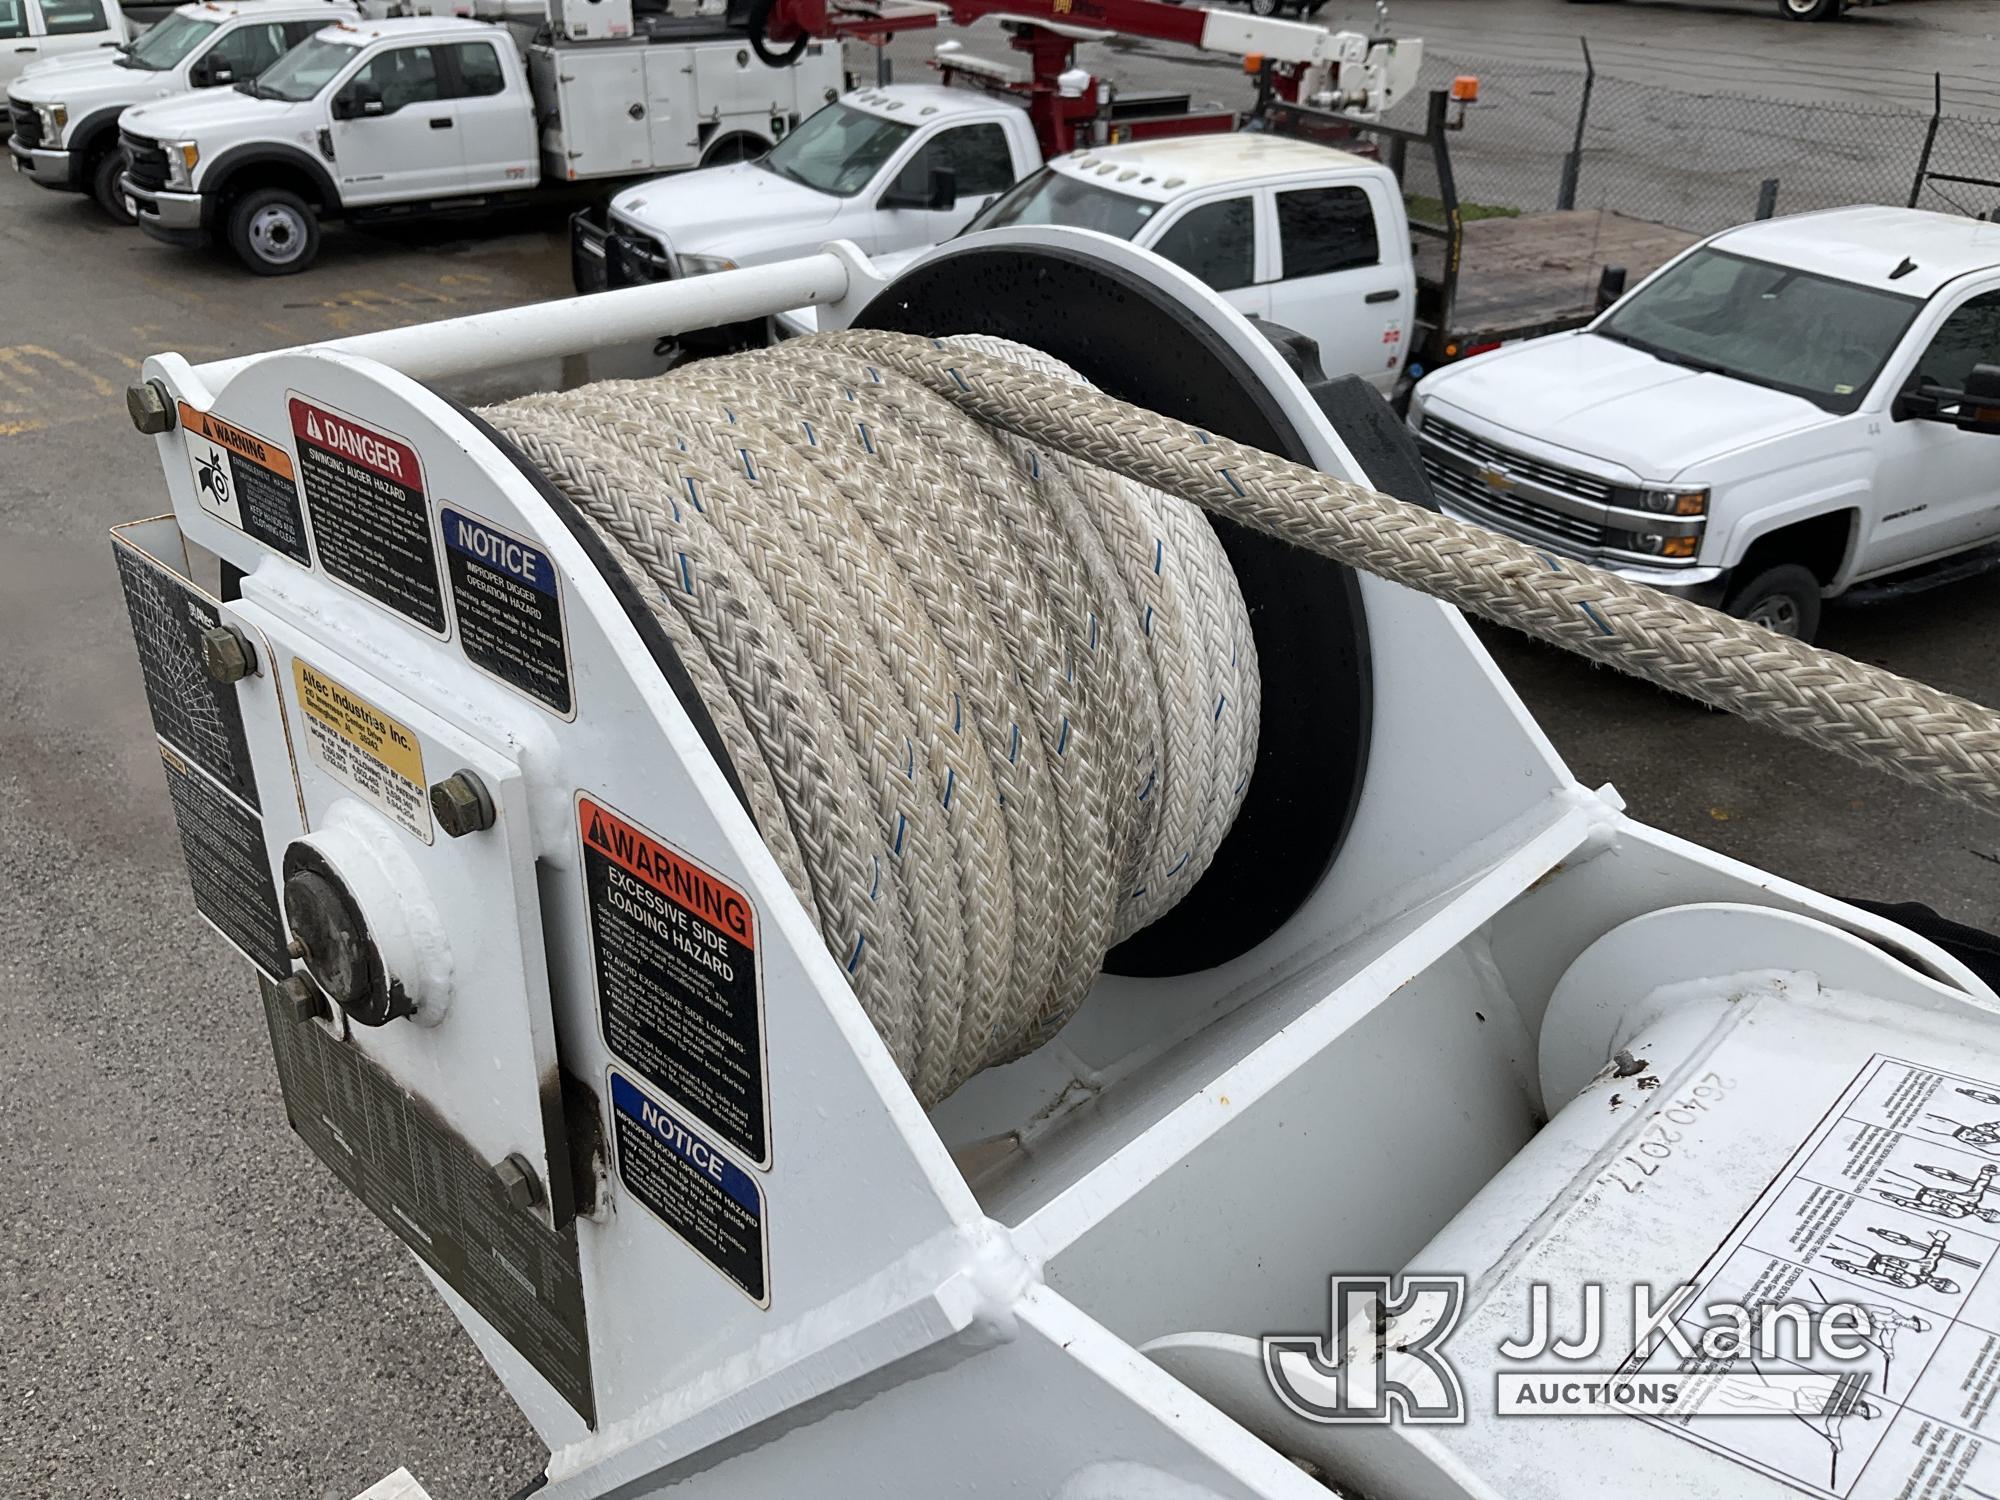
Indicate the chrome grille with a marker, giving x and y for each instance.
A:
(1549, 476)
(1522, 517)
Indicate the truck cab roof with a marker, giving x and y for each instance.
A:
(1165, 170)
(221, 11)
(1869, 245)
(920, 103)
(408, 29)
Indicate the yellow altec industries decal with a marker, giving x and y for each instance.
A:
(364, 749)
(246, 481)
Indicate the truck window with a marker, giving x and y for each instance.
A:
(13, 19)
(977, 155)
(248, 50)
(478, 68)
(1326, 229)
(400, 77)
(1216, 242)
(69, 17)
(1811, 336)
(298, 31)
(1970, 336)
(1052, 197)
(837, 150)
(167, 43)
(305, 70)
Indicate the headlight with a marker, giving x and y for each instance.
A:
(181, 159)
(702, 265)
(54, 118)
(1672, 500)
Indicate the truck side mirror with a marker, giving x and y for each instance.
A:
(938, 191)
(354, 102)
(208, 73)
(943, 186)
(1976, 408)
(1610, 286)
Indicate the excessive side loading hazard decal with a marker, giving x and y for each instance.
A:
(371, 517)
(680, 995)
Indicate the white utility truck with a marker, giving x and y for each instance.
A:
(891, 168)
(430, 115)
(38, 31)
(1289, 231)
(66, 118)
(1790, 409)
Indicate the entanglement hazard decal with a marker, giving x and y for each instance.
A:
(680, 996)
(376, 757)
(690, 1185)
(246, 481)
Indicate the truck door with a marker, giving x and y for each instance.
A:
(1217, 242)
(1332, 283)
(496, 135)
(36, 29)
(1938, 489)
(18, 47)
(395, 134)
(982, 166)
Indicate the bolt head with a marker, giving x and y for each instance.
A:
(300, 998)
(461, 804)
(151, 407)
(517, 1182)
(226, 654)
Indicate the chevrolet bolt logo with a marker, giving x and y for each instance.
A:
(1497, 479)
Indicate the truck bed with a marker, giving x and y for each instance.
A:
(1537, 273)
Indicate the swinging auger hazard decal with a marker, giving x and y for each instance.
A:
(679, 988)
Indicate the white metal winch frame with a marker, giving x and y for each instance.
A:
(964, 1297)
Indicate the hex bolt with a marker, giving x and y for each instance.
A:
(226, 653)
(301, 999)
(518, 1184)
(462, 804)
(151, 406)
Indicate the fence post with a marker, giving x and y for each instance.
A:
(1930, 138)
(1573, 163)
(1767, 198)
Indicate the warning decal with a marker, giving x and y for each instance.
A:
(364, 749)
(509, 607)
(679, 995)
(229, 870)
(198, 716)
(365, 492)
(244, 480)
(690, 1186)
(427, 1184)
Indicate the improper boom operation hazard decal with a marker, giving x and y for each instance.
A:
(679, 988)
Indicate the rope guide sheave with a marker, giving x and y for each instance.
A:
(625, 1103)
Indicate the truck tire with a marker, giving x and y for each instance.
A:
(1264, 7)
(741, 146)
(104, 174)
(1810, 10)
(1785, 599)
(273, 232)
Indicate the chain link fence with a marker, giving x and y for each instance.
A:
(1543, 138)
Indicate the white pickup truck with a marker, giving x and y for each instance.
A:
(429, 115)
(1788, 410)
(891, 168)
(1298, 234)
(38, 33)
(66, 118)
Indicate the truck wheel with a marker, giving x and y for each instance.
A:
(1810, 10)
(273, 232)
(733, 148)
(104, 187)
(1784, 599)
(1264, 7)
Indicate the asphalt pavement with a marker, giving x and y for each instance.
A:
(192, 1306)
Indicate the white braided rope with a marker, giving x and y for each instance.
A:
(993, 710)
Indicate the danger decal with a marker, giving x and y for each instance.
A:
(373, 755)
(371, 518)
(242, 479)
(679, 991)
(692, 1187)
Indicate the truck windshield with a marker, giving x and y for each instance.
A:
(167, 43)
(303, 71)
(837, 150)
(1812, 336)
(1052, 197)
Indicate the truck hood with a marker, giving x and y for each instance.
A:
(68, 62)
(91, 81)
(716, 210)
(1608, 401)
(187, 116)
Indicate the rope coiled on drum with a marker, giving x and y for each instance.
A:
(992, 710)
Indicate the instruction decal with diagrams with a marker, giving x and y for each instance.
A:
(1892, 1207)
(245, 481)
(371, 519)
(679, 990)
(373, 755)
